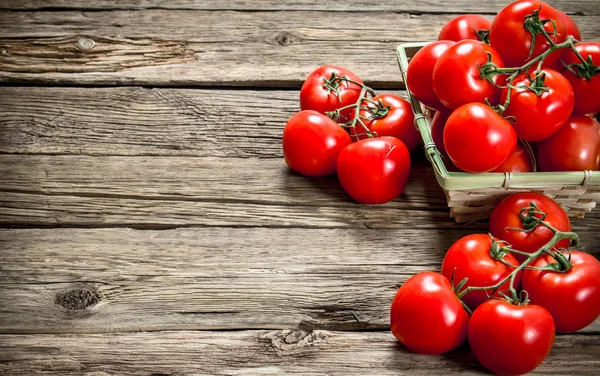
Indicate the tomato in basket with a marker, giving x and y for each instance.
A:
(466, 26)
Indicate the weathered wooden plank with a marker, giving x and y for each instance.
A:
(170, 47)
(260, 353)
(429, 6)
(104, 280)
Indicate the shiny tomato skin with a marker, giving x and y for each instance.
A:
(469, 257)
(419, 76)
(314, 96)
(508, 339)
(477, 139)
(456, 78)
(398, 122)
(464, 27)
(374, 170)
(312, 142)
(426, 316)
(505, 217)
(519, 161)
(572, 297)
(570, 25)
(538, 117)
(587, 92)
(574, 147)
(513, 42)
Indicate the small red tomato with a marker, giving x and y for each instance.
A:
(586, 83)
(312, 143)
(477, 139)
(438, 123)
(506, 222)
(570, 25)
(374, 170)
(419, 76)
(466, 26)
(427, 317)
(571, 297)
(508, 339)
(397, 120)
(320, 94)
(519, 161)
(574, 147)
(538, 117)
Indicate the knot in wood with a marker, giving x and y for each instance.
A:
(285, 39)
(85, 44)
(77, 299)
(293, 341)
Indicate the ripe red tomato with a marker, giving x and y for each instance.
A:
(586, 89)
(570, 25)
(471, 257)
(506, 216)
(419, 75)
(572, 297)
(519, 161)
(316, 94)
(438, 124)
(508, 339)
(312, 143)
(464, 27)
(538, 117)
(456, 76)
(427, 317)
(574, 147)
(513, 42)
(374, 170)
(477, 139)
(398, 121)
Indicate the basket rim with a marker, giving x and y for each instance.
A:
(464, 180)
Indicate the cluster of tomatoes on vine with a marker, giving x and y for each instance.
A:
(506, 297)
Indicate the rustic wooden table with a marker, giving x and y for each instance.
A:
(150, 225)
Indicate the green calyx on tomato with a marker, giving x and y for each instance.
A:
(535, 26)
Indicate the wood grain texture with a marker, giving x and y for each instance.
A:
(259, 353)
(200, 48)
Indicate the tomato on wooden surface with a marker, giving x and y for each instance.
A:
(466, 26)
(574, 147)
(321, 95)
(513, 41)
(586, 88)
(456, 75)
(508, 339)
(312, 142)
(419, 75)
(519, 161)
(477, 139)
(539, 116)
(506, 219)
(472, 257)
(570, 25)
(571, 297)
(398, 120)
(426, 316)
(374, 170)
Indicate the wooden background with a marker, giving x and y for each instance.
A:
(149, 223)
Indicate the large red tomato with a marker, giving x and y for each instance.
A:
(513, 41)
(508, 339)
(472, 257)
(398, 120)
(571, 297)
(570, 25)
(466, 26)
(519, 161)
(419, 75)
(374, 170)
(456, 75)
(506, 218)
(320, 94)
(586, 84)
(427, 317)
(438, 123)
(539, 116)
(477, 139)
(312, 143)
(574, 147)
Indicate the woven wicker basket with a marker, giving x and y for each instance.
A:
(473, 196)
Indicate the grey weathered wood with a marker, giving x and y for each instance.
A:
(260, 353)
(170, 47)
(430, 6)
